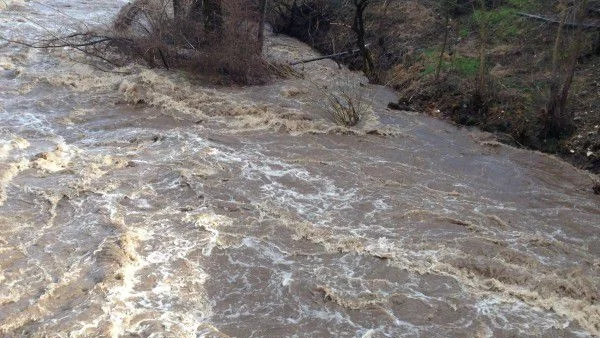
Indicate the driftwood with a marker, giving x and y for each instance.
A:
(330, 56)
(556, 22)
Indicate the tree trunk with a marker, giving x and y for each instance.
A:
(213, 15)
(566, 117)
(558, 118)
(261, 25)
(552, 105)
(359, 28)
(481, 84)
(195, 10)
(209, 12)
(439, 66)
(177, 9)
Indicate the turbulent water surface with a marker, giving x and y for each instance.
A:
(242, 212)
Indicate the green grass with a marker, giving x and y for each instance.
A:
(465, 65)
(461, 65)
(501, 23)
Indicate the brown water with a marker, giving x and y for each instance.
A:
(243, 212)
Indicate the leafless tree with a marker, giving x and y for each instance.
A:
(261, 24)
(558, 118)
(446, 6)
(358, 26)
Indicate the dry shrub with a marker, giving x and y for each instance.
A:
(344, 102)
(224, 49)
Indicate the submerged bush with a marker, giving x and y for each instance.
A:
(344, 102)
(214, 38)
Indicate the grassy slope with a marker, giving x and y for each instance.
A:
(518, 62)
(406, 39)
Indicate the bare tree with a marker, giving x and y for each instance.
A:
(447, 7)
(480, 93)
(358, 26)
(261, 24)
(558, 118)
(177, 9)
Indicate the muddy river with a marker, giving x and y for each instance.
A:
(145, 203)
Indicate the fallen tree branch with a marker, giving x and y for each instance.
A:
(556, 22)
(52, 43)
(330, 56)
(80, 46)
(44, 46)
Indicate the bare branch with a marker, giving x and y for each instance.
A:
(46, 46)
(331, 56)
(557, 22)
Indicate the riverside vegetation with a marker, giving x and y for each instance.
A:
(526, 70)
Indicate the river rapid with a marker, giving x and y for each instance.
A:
(144, 203)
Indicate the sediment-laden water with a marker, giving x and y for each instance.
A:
(243, 212)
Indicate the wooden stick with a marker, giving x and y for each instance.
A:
(556, 22)
(331, 56)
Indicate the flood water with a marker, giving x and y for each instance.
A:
(244, 212)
